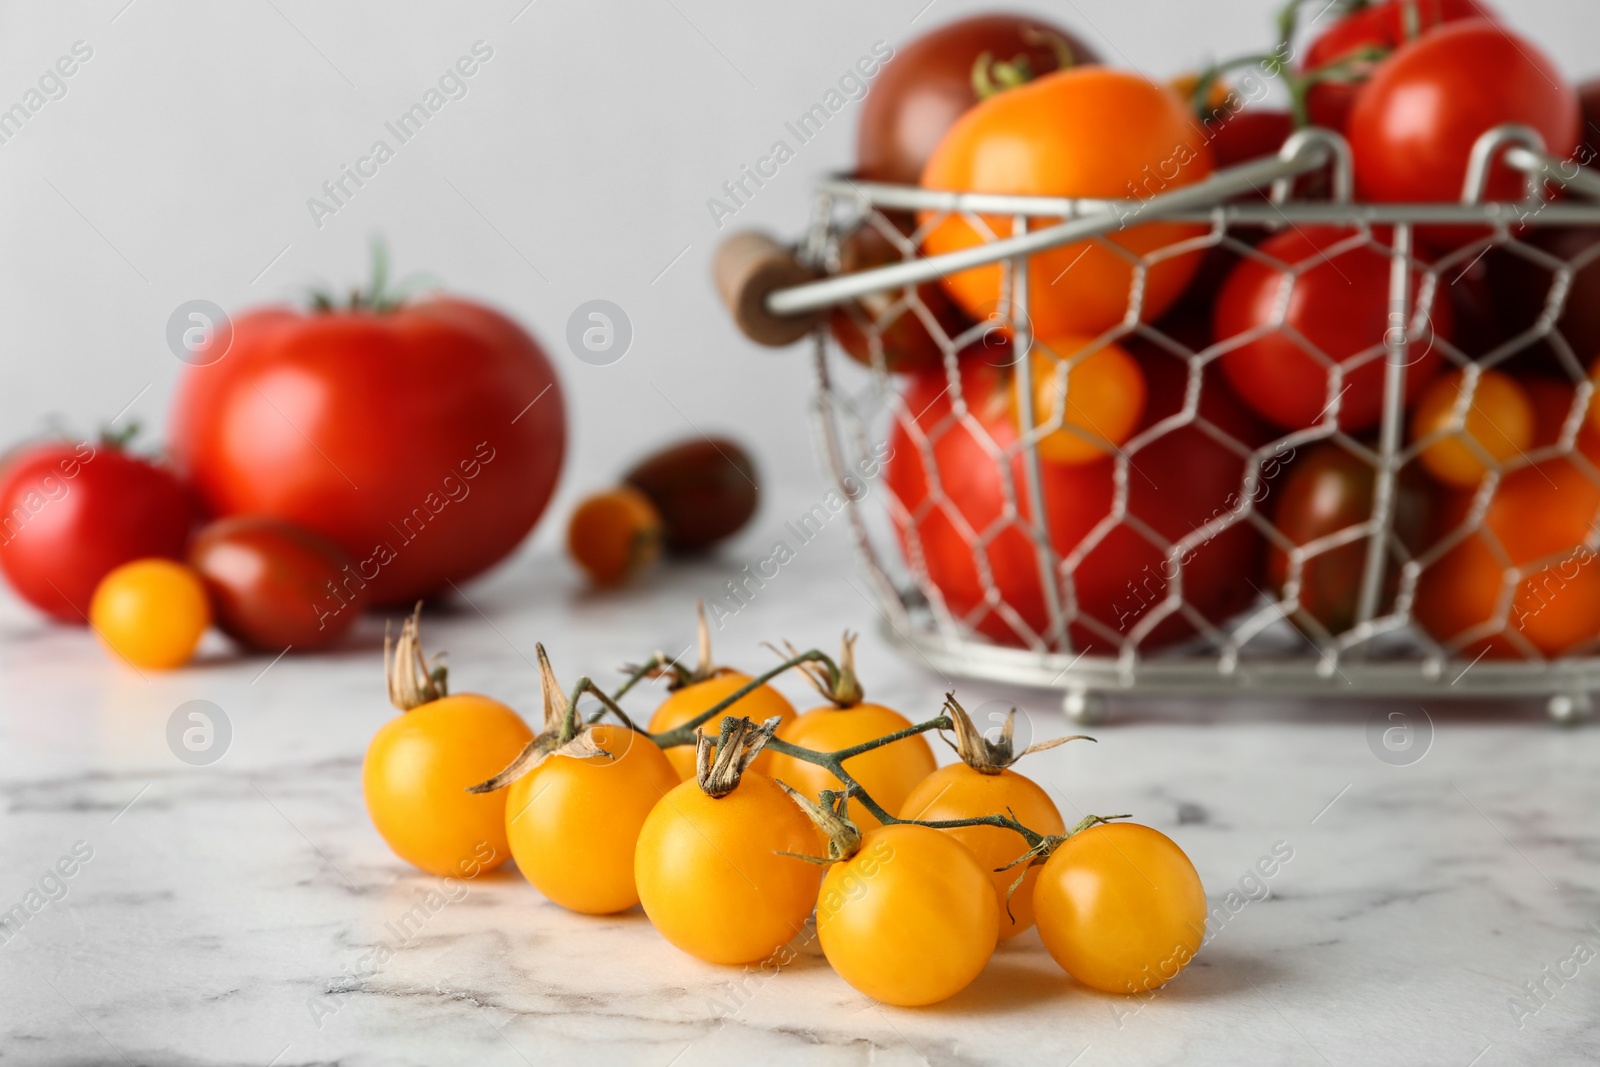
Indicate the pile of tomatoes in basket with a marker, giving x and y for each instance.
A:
(714, 819)
(320, 462)
(1207, 402)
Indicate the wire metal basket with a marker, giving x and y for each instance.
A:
(1271, 646)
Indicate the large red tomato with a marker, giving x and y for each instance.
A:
(1178, 483)
(1339, 54)
(1339, 303)
(424, 440)
(1414, 123)
(73, 512)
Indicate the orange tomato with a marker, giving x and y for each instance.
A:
(909, 919)
(888, 774)
(151, 612)
(573, 824)
(415, 777)
(1541, 516)
(1499, 425)
(1086, 132)
(957, 791)
(693, 699)
(710, 875)
(1120, 907)
(1090, 404)
(615, 536)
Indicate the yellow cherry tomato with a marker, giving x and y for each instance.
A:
(151, 612)
(574, 823)
(910, 918)
(1500, 422)
(693, 699)
(956, 791)
(888, 774)
(1120, 907)
(710, 875)
(1088, 405)
(416, 774)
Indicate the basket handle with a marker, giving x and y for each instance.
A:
(747, 267)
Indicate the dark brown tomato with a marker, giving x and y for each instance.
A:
(1329, 489)
(1522, 291)
(923, 88)
(907, 344)
(705, 489)
(275, 585)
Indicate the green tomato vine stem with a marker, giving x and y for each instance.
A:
(685, 734)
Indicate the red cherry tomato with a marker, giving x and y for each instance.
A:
(1339, 303)
(1379, 28)
(70, 513)
(274, 585)
(1414, 123)
(925, 86)
(1179, 482)
(424, 440)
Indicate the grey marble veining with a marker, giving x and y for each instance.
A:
(245, 912)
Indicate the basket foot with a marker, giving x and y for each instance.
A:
(1570, 708)
(1084, 706)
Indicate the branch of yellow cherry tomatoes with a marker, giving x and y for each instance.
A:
(733, 836)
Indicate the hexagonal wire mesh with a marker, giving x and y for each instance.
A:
(1010, 591)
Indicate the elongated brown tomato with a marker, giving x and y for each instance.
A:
(274, 585)
(419, 765)
(705, 489)
(615, 536)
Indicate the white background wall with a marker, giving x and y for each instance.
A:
(179, 163)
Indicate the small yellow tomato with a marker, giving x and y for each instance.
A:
(910, 918)
(710, 875)
(693, 699)
(574, 823)
(151, 612)
(415, 777)
(888, 774)
(1120, 907)
(957, 791)
(1088, 404)
(1499, 421)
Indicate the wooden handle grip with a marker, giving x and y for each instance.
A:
(746, 268)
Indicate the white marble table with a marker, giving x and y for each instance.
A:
(233, 913)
